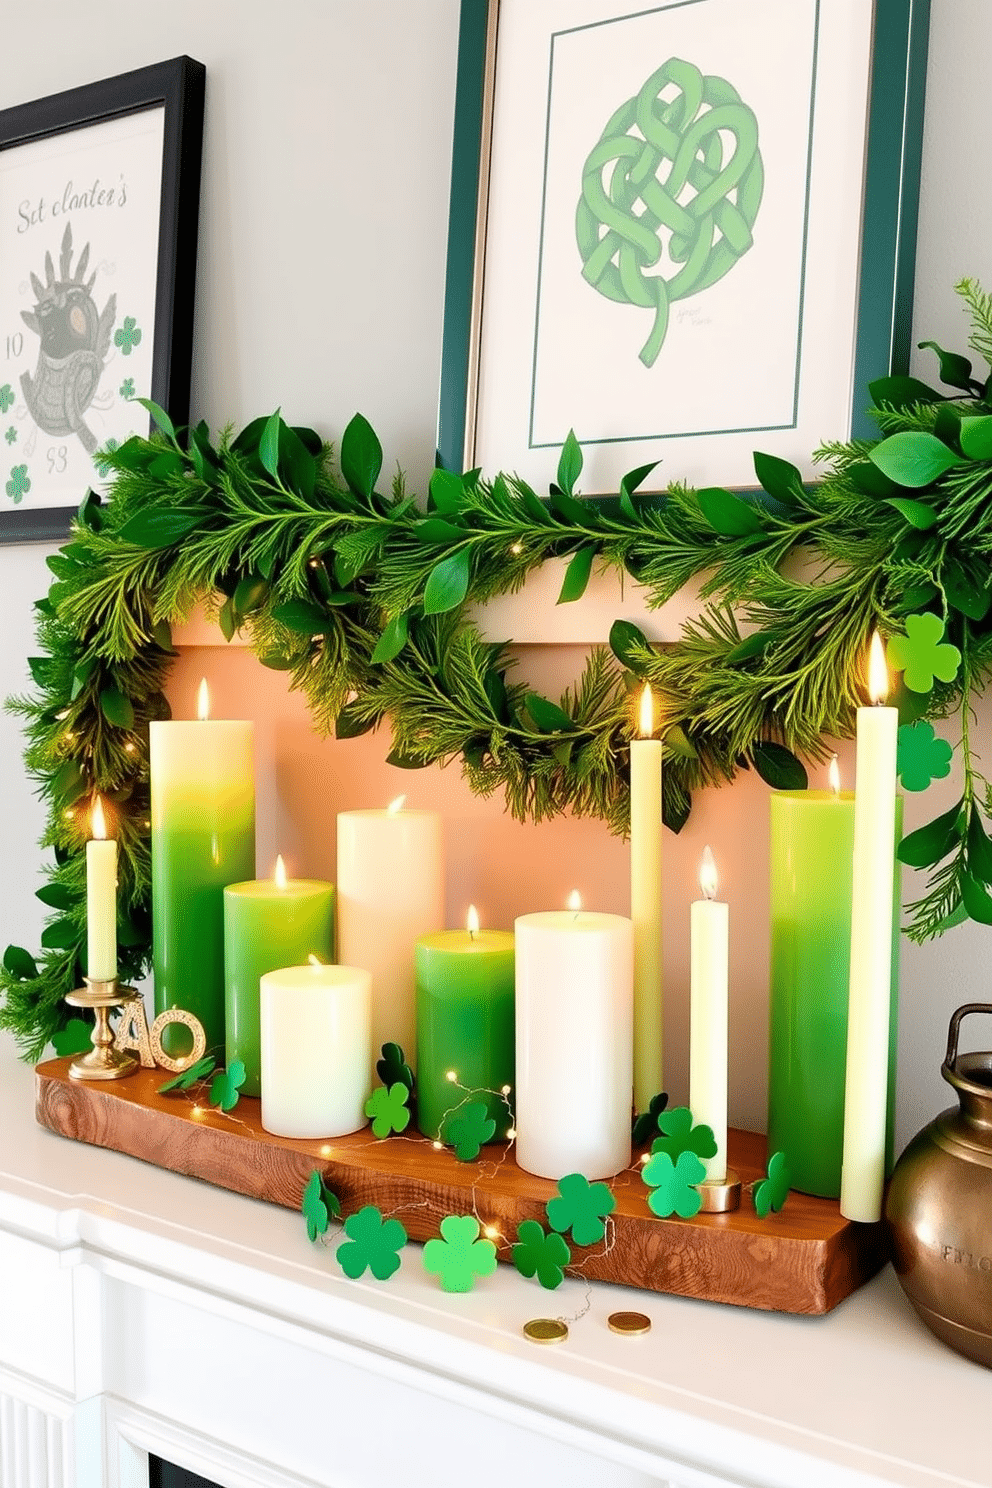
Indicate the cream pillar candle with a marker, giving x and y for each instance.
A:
(645, 906)
(708, 975)
(315, 1024)
(390, 892)
(574, 1013)
(870, 1005)
(101, 900)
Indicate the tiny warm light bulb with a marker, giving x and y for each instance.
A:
(647, 712)
(707, 875)
(511, 1134)
(574, 902)
(472, 921)
(279, 875)
(878, 674)
(326, 1151)
(834, 776)
(397, 805)
(203, 701)
(452, 1076)
(491, 1232)
(98, 824)
(438, 1146)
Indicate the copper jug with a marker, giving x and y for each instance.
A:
(939, 1207)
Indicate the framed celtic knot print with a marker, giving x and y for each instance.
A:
(99, 200)
(684, 229)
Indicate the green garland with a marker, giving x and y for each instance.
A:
(361, 598)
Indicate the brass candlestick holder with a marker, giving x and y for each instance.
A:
(103, 1062)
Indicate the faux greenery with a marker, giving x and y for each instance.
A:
(361, 596)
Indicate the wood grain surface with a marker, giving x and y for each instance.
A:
(805, 1259)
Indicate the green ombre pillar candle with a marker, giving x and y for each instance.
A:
(464, 1023)
(269, 924)
(203, 838)
(812, 846)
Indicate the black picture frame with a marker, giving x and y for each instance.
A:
(178, 87)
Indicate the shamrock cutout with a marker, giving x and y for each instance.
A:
(468, 1128)
(74, 1038)
(19, 484)
(646, 1123)
(224, 1086)
(318, 1204)
(680, 1135)
(921, 756)
(373, 1244)
(11, 435)
(580, 1206)
(7, 399)
(919, 655)
(773, 1191)
(126, 388)
(128, 336)
(198, 1071)
(539, 1254)
(103, 465)
(388, 1109)
(459, 1256)
(673, 1184)
(393, 1066)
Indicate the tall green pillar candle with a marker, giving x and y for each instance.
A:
(812, 846)
(203, 837)
(464, 1024)
(269, 924)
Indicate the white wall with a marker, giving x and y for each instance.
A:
(323, 230)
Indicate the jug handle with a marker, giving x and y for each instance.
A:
(955, 1026)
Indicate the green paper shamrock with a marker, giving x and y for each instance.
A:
(318, 1204)
(468, 1128)
(187, 1077)
(674, 1184)
(126, 388)
(459, 1256)
(128, 337)
(388, 1109)
(103, 466)
(680, 1135)
(538, 1254)
(646, 1123)
(11, 435)
(224, 1086)
(7, 397)
(19, 484)
(580, 1206)
(75, 1038)
(919, 655)
(921, 756)
(773, 1191)
(373, 1244)
(393, 1066)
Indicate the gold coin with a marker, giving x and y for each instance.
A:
(629, 1322)
(545, 1330)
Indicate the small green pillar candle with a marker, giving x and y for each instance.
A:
(269, 924)
(464, 1024)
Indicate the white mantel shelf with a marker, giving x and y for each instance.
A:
(141, 1311)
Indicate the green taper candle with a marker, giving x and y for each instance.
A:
(812, 846)
(269, 924)
(465, 1032)
(203, 837)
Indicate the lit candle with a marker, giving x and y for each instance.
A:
(203, 837)
(316, 1050)
(869, 1019)
(574, 1017)
(709, 922)
(390, 891)
(464, 1023)
(268, 923)
(101, 900)
(645, 905)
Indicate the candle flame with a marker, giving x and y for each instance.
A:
(98, 824)
(472, 921)
(574, 902)
(647, 712)
(203, 701)
(707, 875)
(834, 776)
(878, 676)
(314, 960)
(279, 873)
(397, 805)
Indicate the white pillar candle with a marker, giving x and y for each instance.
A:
(574, 1012)
(390, 892)
(870, 1007)
(101, 901)
(645, 906)
(316, 1050)
(708, 976)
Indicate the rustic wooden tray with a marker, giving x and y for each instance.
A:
(805, 1259)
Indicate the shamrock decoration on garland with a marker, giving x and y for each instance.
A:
(773, 1191)
(388, 1109)
(539, 1254)
(646, 1123)
(919, 654)
(673, 1184)
(224, 1086)
(922, 757)
(679, 1134)
(468, 1128)
(459, 1256)
(581, 1207)
(318, 1204)
(392, 1067)
(373, 1244)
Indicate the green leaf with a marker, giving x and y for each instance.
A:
(955, 369)
(677, 741)
(68, 783)
(901, 392)
(979, 849)
(446, 492)
(569, 464)
(630, 482)
(976, 437)
(165, 465)
(447, 583)
(495, 690)
(117, 708)
(548, 717)
(276, 661)
(402, 761)
(89, 513)
(61, 935)
(947, 424)
(778, 478)
(57, 896)
(728, 514)
(929, 844)
(626, 641)
(917, 513)
(869, 480)
(162, 636)
(268, 445)
(567, 507)
(392, 640)
(159, 416)
(913, 459)
(298, 465)
(437, 530)
(966, 592)
(159, 527)
(303, 617)
(20, 963)
(348, 725)
(750, 646)
(778, 766)
(536, 509)
(361, 456)
(227, 620)
(577, 574)
(977, 900)
(250, 593)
